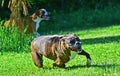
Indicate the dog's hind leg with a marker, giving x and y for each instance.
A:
(87, 56)
(37, 58)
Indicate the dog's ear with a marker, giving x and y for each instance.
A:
(37, 12)
(62, 38)
(40, 12)
(34, 16)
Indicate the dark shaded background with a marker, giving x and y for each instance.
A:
(65, 6)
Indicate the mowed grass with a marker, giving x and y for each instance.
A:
(103, 44)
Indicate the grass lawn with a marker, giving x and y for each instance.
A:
(103, 44)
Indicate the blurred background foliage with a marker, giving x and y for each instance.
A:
(65, 6)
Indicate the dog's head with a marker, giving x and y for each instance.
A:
(73, 42)
(41, 14)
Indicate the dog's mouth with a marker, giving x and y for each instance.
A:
(78, 50)
(45, 17)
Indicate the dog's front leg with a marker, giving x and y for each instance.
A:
(37, 59)
(87, 56)
(58, 63)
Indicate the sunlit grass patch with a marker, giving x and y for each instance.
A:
(101, 43)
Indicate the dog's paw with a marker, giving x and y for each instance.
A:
(88, 62)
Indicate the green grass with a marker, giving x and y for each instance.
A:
(82, 19)
(102, 43)
(99, 31)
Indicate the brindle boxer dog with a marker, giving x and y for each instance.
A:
(57, 48)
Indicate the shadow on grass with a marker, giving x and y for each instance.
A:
(108, 39)
(104, 66)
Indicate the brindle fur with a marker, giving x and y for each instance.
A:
(56, 48)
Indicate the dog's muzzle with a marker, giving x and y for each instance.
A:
(79, 47)
(46, 17)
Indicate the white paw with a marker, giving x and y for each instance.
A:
(88, 62)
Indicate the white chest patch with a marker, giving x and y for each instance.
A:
(73, 54)
(37, 20)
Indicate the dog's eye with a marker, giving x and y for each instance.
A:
(72, 42)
